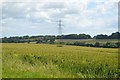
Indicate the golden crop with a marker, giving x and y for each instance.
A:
(22, 60)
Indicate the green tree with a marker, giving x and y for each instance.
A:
(107, 45)
(51, 41)
(77, 43)
(38, 42)
(118, 44)
(101, 36)
(97, 44)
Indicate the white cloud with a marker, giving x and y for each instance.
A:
(73, 12)
(3, 21)
(41, 15)
(73, 6)
(6, 29)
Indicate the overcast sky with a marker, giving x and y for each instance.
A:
(39, 17)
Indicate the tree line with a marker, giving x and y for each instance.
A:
(112, 36)
(97, 44)
(51, 38)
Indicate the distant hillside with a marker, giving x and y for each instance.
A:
(41, 38)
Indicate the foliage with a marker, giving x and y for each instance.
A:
(77, 43)
(112, 36)
(97, 44)
(50, 38)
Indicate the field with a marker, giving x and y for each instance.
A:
(22, 60)
(89, 41)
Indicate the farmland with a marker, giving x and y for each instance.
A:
(91, 41)
(22, 60)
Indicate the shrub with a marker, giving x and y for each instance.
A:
(97, 44)
(77, 43)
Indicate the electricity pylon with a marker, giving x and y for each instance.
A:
(60, 33)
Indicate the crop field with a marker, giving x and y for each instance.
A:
(91, 41)
(23, 60)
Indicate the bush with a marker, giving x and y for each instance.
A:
(118, 44)
(51, 41)
(97, 44)
(77, 43)
(89, 45)
(111, 45)
(39, 41)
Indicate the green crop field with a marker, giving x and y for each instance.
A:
(22, 60)
(91, 41)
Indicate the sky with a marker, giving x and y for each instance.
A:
(40, 17)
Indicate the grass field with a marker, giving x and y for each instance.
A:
(22, 60)
(90, 41)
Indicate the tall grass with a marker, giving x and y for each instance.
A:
(22, 60)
